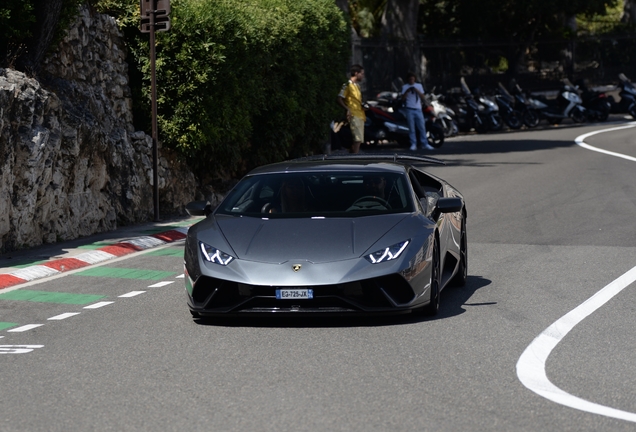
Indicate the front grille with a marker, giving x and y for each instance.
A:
(366, 295)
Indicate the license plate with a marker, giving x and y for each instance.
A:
(291, 294)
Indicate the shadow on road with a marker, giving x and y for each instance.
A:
(496, 142)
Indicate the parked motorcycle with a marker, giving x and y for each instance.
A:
(529, 114)
(506, 104)
(476, 111)
(568, 104)
(386, 121)
(596, 102)
(444, 116)
(627, 94)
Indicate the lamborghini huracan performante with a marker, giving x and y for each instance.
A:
(332, 234)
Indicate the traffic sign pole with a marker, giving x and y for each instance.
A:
(154, 17)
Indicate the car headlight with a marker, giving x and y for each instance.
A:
(215, 255)
(387, 254)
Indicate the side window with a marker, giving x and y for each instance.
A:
(427, 183)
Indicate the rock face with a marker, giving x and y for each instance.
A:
(71, 163)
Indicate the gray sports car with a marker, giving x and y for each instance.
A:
(329, 234)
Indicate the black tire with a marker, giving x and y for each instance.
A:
(480, 125)
(459, 280)
(514, 120)
(432, 308)
(435, 135)
(496, 123)
(602, 112)
(632, 111)
(578, 116)
(530, 118)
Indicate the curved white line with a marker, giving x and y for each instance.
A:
(579, 141)
(531, 364)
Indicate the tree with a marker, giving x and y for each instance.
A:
(629, 12)
(399, 24)
(520, 22)
(30, 27)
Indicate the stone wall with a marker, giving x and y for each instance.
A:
(71, 163)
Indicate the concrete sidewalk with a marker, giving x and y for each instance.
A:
(25, 265)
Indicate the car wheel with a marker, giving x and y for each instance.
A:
(462, 271)
(632, 111)
(432, 308)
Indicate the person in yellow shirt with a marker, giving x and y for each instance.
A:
(350, 98)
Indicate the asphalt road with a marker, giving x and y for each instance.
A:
(550, 223)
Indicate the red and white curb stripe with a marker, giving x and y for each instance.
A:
(105, 253)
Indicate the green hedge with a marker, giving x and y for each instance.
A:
(243, 83)
(240, 82)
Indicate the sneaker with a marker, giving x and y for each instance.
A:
(428, 147)
(413, 147)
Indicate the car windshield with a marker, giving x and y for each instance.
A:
(324, 194)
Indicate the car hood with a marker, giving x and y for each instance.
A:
(314, 240)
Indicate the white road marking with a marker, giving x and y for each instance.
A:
(531, 364)
(132, 294)
(18, 349)
(63, 316)
(160, 284)
(98, 305)
(579, 140)
(181, 276)
(24, 328)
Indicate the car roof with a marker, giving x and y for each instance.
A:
(384, 162)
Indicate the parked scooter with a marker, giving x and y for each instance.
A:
(444, 116)
(477, 112)
(627, 94)
(596, 102)
(568, 104)
(529, 114)
(385, 121)
(506, 104)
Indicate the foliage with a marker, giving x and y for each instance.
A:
(18, 21)
(366, 16)
(595, 24)
(510, 30)
(242, 83)
(516, 20)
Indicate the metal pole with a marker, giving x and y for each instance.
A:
(153, 78)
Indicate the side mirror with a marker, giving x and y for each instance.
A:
(199, 208)
(449, 205)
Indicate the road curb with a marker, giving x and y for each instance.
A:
(105, 253)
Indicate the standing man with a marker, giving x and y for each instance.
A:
(412, 95)
(350, 98)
